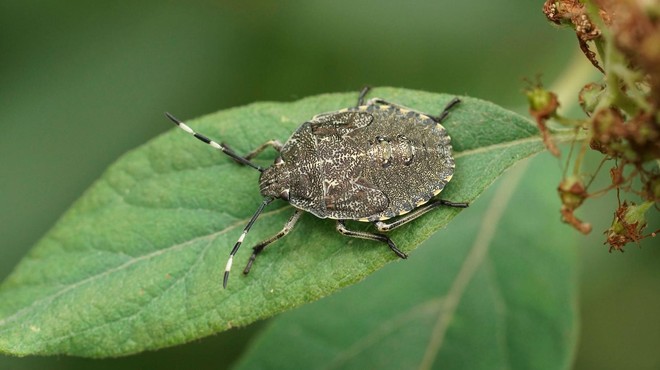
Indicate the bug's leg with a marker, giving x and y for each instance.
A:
(363, 93)
(379, 101)
(276, 144)
(221, 147)
(264, 243)
(445, 112)
(387, 226)
(439, 118)
(341, 227)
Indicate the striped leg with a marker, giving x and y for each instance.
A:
(341, 227)
(363, 93)
(439, 118)
(387, 226)
(260, 247)
(276, 144)
(445, 112)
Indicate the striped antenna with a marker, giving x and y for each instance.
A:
(230, 261)
(223, 148)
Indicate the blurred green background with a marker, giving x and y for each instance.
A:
(83, 82)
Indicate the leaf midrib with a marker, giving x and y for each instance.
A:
(238, 223)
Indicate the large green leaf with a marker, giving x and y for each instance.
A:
(136, 263)
(497, 290)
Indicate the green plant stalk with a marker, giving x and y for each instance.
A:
(614, 66)
(571, 80)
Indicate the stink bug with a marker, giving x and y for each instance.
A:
(368, 163)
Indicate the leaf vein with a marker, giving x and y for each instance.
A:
(473, 261)
(123, 266)
(140, 309)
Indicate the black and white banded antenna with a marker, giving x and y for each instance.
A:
(230, 261)
(223, 148)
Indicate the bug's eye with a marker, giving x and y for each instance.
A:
(284, 194)
(279, 161)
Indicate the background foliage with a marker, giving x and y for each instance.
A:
(81, 83)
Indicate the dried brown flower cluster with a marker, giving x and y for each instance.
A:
(623, 110)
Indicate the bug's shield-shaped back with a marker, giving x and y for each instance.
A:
(347, 195)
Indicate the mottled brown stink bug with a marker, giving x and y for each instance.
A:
(369, 163)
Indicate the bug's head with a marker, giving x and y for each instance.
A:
(274, 181)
